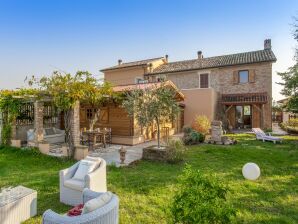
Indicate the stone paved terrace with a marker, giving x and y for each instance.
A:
(111, 154)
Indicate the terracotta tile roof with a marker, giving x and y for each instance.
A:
(132, 64)
(217, 61)
(151, 85)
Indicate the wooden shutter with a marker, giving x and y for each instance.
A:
(104, 116)
(82, 115)
(251, 76)
(235, 77)
(204, 80)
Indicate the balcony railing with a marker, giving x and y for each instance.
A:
(241, 98)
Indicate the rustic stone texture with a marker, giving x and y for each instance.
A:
(216, 131)
(152, 153)
(64, 150)
(75, 124)
(38, 121)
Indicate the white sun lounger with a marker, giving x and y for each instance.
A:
(261, 135)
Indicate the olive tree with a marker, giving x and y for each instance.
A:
(153, 105)
(66, 90)
(97, 95)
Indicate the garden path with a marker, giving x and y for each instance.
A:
(277, 130)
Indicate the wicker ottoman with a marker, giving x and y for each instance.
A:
(21, 206)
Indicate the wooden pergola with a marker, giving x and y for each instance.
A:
(254, 99)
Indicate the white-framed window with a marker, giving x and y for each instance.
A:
(204, 80)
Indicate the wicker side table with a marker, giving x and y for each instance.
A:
(21, 206)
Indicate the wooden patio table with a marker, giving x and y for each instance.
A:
(93, 135)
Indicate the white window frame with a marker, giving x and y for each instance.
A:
(203, 73)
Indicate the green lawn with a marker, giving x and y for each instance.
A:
(146, 188)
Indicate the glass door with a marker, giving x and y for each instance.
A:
(247, 116)
(239, 117)
(243, 116)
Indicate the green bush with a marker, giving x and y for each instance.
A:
(187, 130)
(6, 134)
(291, 126)
(201, 199)
(192, 137)
(293, 123)
(176, 151)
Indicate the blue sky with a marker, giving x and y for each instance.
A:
(37, 37)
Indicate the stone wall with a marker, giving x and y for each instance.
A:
(75, 124)
(221, 80)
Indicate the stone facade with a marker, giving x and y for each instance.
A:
(221, 71)
(75, 124)
(221, 80)
(38, 121)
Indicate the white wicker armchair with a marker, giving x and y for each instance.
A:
(108, 214)
(71, 190)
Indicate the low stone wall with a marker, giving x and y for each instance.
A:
(152, 153)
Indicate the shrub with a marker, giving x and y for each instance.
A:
(187, 130)
(197, 137)
(176, 151)
(201, 199)
(6, 134)
(193, 137)
(201, 124)
(293, 123)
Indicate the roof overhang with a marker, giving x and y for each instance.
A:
(152, 85)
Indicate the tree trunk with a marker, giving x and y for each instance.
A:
(68, 134)
(94, 119)
(158, 133)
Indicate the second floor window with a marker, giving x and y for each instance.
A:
(243, 76)
(204, 80)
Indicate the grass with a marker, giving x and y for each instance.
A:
(146, 188)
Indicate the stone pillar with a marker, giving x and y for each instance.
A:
(38, 121)
(216, 131)
(75, 124)
(14, 130)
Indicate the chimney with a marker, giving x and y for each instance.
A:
(150, 67)
(267, 44)
(200, 55)
(167, 58)
(119, 62)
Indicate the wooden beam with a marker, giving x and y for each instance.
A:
(254, 105)
(262, 116)
(226, 111)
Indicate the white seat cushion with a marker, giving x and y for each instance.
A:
(97, 203)
(95, 159)
(75, 184)
(85, 167)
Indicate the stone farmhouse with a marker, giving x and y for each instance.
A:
(236, 88)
